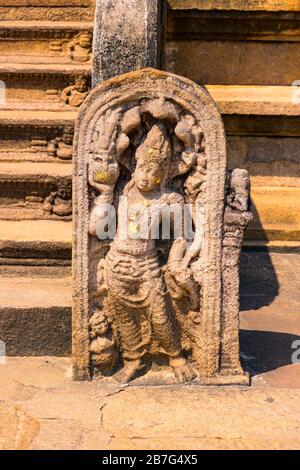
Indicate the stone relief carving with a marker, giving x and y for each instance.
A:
(79, 49)
(60, 202)
(53, 92)
(151, 146)
(37, 143)
(55, 46)
(74, 95)
(62, 146)
(35, 198)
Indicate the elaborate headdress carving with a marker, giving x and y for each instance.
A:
(156, 148)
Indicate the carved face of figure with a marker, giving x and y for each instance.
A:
(84, 41)
(152, 159)
(67, 137)
(64, 190)
(240, 184)
(81, 85)
(148, 176)
(105, 169)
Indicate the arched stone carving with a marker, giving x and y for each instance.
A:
(174, 126)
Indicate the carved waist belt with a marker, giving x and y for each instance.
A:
(128, 267)
(134, 286)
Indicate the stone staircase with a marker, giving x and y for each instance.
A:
(247, 57)
(40, 56)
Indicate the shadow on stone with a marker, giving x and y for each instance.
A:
(259, 284)
(264, 351)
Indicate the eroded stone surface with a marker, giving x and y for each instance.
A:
(128, 36)
(17, 429)
(51, 10)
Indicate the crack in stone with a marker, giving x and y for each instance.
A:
(101, 408)
(123, 389)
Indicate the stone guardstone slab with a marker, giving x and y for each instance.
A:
(158, 228)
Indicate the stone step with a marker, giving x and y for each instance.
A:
(275, 246)
(35, 242)
(247, 104)
(234, 42)
(276, 213)
(45, 42)
(233, 25)
(49, 10)
(256, 100)
(34, 190)
(37, 118)
(40, 86)
(11, 170)
(234, 62)
(35, 310)
(240, 100)
(34, 135)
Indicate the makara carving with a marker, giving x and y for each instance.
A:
(157, 237)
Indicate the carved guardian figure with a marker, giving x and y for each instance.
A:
(158, 231)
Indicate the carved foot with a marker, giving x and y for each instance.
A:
(183, 371)
(129, 371)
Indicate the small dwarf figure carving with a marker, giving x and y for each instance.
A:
(238, 209)
(61, 147)
(238, 190)
(102, 347)
(80, 48)
(74, 95)
(59, 202)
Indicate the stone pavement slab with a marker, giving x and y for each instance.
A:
(57, 413)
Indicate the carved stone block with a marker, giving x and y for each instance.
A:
(158, 228)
